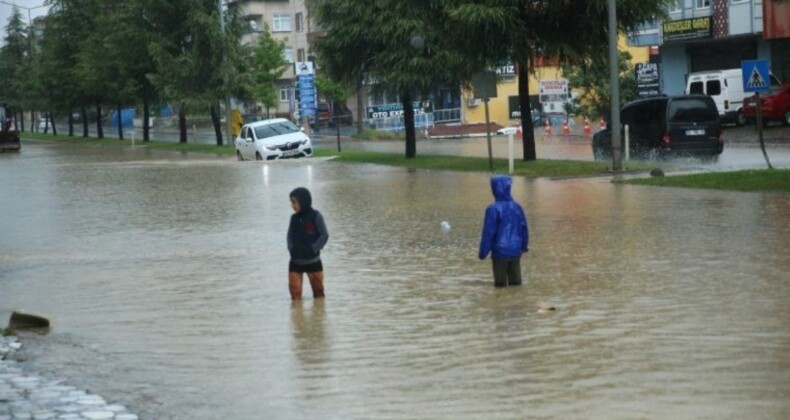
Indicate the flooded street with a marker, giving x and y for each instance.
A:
(165, 277)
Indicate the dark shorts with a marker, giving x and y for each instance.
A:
(507, 272)
(305, 268)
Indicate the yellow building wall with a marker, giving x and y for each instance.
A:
(499, 107)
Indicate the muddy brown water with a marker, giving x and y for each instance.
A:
(165, 277)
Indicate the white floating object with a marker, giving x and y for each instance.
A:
(445, 226)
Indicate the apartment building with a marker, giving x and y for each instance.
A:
(705, 35)
(286, 20)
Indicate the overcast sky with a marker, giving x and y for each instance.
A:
(5, 10)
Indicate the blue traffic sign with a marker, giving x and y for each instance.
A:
(756, 77)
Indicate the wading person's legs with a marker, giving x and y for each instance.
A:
(295, 285)
(317, 283)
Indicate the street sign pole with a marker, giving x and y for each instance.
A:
(760, 128)
(756, 78)
(488, 138)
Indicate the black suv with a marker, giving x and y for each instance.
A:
(664, 126)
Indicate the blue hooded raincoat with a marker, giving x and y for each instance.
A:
(505, 231)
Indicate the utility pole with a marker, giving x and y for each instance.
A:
(614, 81)
(227, 97)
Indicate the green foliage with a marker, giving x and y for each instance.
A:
(5, 332)
(590, 77)
(268, 67)
(14, 61)
(331, 90)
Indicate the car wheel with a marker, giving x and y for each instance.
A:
(239, 156)
(258, 156)
(786, 119)
(740, 119)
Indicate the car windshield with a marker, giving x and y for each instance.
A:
(692, 110)
(275, 129)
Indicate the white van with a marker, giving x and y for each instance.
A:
(726, 89)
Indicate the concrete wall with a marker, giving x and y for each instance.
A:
(746, 18)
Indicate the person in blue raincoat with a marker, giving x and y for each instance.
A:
(505, 234)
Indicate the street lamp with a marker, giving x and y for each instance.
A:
(29, 20)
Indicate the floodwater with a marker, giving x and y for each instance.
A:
(165, 276)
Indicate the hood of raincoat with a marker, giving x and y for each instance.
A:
(500, 185)
(302, 195)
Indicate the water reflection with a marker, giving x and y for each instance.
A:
(166, 277)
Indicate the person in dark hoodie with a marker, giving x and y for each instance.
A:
(307, 235)
(505, 234)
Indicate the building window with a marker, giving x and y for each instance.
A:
(674, 7)
(299, 22)
(255, 22)
(703, 4)
(740, 1)
(281, 22)
(285, 94)
(288, 54)
(300, 55)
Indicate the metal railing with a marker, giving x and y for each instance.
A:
(447, 115)
(421, 121)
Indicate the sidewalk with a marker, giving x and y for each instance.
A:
(25, 396)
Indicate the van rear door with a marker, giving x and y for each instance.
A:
(693, 125)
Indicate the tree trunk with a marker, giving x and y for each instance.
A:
(408, 122)
(22, 120)
(146, 117)
(33, 127)
(528, 132)
(46, 123)
(99, 128)
(71, 124)
(52, 123)
(120, 122)
(84, 112)
(360, 110)
(182, 125)
(215, 121)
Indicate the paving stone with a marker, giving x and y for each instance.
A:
(98, 415)
(116, 408)
(126, 417)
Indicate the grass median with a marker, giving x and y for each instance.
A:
(153, 145)
(754, 180)
(534, 169)
(537, 168)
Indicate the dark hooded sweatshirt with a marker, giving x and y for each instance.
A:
(307, 233)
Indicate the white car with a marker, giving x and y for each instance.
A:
(272, 139)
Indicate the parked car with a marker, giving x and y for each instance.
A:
(664, 126)
(272, 139)
(726, 89)
(775, 106)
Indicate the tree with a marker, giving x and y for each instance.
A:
(527, 31)
(590, 76)
(334, 92)
(402, 45)
(268, 66)
(14, 56)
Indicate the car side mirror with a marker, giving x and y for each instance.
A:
(301, 129)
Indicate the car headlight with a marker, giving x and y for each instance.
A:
(271, 147)
(303, 142)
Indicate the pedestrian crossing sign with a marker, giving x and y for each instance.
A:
(755, 75)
